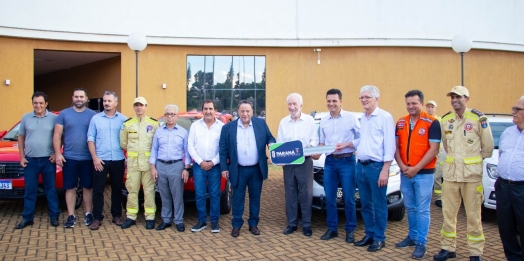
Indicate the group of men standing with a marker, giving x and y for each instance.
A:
(93, 148)
(237, 151)
(374, 139)
(414, 142)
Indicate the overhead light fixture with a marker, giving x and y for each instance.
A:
(317, 50)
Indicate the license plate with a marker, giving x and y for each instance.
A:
(6, 184)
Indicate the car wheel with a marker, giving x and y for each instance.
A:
(79, 196)
(225, 200)
(397, 214)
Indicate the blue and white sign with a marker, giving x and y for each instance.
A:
(286, 153)
(6, 184)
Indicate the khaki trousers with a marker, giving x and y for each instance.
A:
(453, 193)
(133, 182)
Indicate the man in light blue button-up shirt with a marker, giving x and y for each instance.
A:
(376, 150)
(510, 185)
(340, 128)
(170, 163)
(103, 141)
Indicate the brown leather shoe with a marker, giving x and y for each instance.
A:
(235, 232)
(95, 225)
(118, 221)
(254, 230)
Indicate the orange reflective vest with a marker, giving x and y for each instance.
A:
(415, 143)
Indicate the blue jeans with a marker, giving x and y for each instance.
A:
(207, 180)
(340, 170)
(373, 199)
(417, 193)
(35, 167)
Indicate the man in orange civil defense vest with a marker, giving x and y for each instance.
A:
(418, 137)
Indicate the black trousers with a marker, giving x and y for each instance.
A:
(510, 218)
(115, 168)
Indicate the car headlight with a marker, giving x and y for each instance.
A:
(394, 169)
(491, 169)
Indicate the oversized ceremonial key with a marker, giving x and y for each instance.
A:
(292, 152)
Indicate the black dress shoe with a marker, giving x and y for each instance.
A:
(128, 223)
(329, 235)
(163, 226)
(364, 242)
(307, 231)
(150, 224)
(24, 223)
(235, 232)
(376, 246)
(54, 221)
(180, 227)
(443, 255)
(289, 230)
(349, 237)
(254, 230)
(475, 258)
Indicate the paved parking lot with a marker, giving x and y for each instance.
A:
(44, 242)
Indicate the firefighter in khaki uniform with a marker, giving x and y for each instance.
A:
(467, 139)
(136, 137)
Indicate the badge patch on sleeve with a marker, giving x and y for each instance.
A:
(468, 126)
(484, 124)
(450, 126)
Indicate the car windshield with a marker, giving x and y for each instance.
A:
(497, 128)
(12, 135)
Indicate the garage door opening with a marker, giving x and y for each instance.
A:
(58, 73)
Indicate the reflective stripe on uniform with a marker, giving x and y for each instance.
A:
(473, 160)
(437, 191)
(147, 153)
(448, 234)
(132, 210)
(471, 115)
(132, 154)
(476, 238)
(480, 189)
(449, 159)
(150, 210)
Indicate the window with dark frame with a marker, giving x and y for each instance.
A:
(226, 80)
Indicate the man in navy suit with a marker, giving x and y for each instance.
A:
(243, 152)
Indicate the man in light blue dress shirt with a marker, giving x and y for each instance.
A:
(170, 164)
(510, 186)
(103, 141)
(340, 128)
(376, 150)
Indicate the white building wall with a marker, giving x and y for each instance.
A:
(491, 24)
